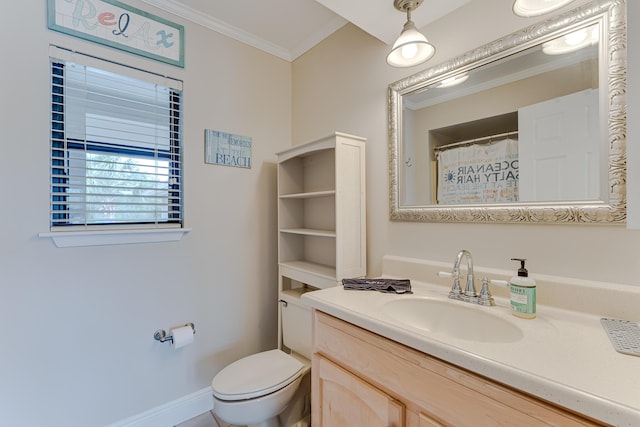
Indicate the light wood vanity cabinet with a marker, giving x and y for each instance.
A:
(346, 400)
(360, 379)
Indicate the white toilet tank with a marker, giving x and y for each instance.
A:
(296, 326)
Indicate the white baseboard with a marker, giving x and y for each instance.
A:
(172, 413)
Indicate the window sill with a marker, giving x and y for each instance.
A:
(70, 239)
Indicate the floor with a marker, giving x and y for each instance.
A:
(205, 420)
(209, 420)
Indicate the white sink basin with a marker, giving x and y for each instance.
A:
(454, 319)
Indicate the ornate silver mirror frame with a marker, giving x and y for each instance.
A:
(611, 14)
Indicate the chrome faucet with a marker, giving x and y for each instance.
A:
(469, 294)
(470, 289)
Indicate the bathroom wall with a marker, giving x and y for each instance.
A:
(77, 323)
(342, 85)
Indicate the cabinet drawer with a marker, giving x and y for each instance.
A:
(442, 392)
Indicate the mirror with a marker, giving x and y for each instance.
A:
(528, 128)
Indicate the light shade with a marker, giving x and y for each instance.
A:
(573, 41)
(411, 48)
(453, 81)
(528, 8)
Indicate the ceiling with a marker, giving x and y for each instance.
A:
(288, 28)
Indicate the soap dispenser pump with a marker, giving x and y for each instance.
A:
(523, 293)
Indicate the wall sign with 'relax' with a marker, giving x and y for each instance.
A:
(120, 26)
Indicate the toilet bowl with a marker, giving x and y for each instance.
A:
(263, 389)
(254, 390)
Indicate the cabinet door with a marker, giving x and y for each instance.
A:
(347, 401)
(427, 421)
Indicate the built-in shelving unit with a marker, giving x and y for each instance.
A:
(321, 215)
(321, 211)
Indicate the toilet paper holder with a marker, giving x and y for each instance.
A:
(161, 334)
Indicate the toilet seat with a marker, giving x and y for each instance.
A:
(256, 375)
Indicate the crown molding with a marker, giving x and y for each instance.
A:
(333, 26)
(243, 36)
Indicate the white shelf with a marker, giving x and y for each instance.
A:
(320, 144)
(317, 275)
(324, 271)
(309, 232)
(309, 195)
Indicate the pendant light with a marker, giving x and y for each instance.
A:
(411, 48)
(528, 8)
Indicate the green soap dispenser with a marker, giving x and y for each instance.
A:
(523, 293)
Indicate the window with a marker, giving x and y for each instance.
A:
(115, 147)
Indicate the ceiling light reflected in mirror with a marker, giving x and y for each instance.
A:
(454, 81)
(529, 8)
(572, 42)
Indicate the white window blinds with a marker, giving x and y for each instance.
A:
(115, 147)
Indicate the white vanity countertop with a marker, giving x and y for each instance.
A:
(564, 356)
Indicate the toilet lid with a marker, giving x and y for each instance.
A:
(256, 375)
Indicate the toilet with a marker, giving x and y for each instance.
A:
(264, 389)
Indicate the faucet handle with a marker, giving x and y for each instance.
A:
(485, 297)
(456, 291)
